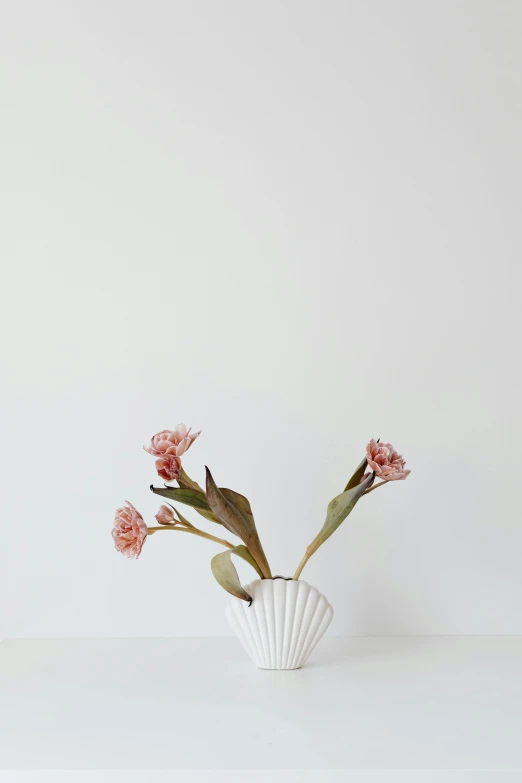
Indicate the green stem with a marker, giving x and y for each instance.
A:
(210, 537)
(302, 564)
(376, 486)
(194, 532)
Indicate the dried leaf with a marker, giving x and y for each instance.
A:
(190, 497)
(225, 572)
(338, 510)
(234, 512)
(357, 476)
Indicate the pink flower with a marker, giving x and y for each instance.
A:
(168, 467)
(385, 461)
(173, 442)
(129, 531)
(165, 516)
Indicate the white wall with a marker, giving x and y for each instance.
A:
(295, 225)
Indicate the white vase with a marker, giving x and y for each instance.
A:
(283, 624)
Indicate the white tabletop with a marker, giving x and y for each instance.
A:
(359, 703)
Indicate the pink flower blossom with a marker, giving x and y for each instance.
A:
(168, 467)
(165, 515)
(385, 461)
(129, 531)
(172, 442)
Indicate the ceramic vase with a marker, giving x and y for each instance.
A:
(283, 624)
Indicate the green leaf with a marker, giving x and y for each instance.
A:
(190, 497)
(225, 572)
(338, 510)
(181, 518)
(357, 476)
(185, 482)
(234, 512)
(242, 551)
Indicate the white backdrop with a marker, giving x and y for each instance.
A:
(294, 225)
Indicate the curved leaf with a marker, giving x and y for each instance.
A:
(234, 512)
(181, 518)
(357, 476)
(225, 572)
(244, 552)
(338, 510)
(190, 497)
(185, 482)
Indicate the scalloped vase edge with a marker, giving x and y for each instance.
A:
(284, 624)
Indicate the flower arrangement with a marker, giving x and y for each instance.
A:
(232, 511)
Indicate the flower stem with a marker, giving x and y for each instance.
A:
(314, 546)
(376, 487)
(194, 532)
(210, 537)
(302, 564)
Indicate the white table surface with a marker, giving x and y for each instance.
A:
(359, 703)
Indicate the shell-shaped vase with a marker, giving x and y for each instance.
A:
(286, 620)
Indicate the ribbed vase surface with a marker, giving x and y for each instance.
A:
(284, 623)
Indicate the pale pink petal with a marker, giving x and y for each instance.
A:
(129, 531)
(174, 442)
(182, 446)
(168, 467)
(181, 431)
(387, 463)
(165, 515)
